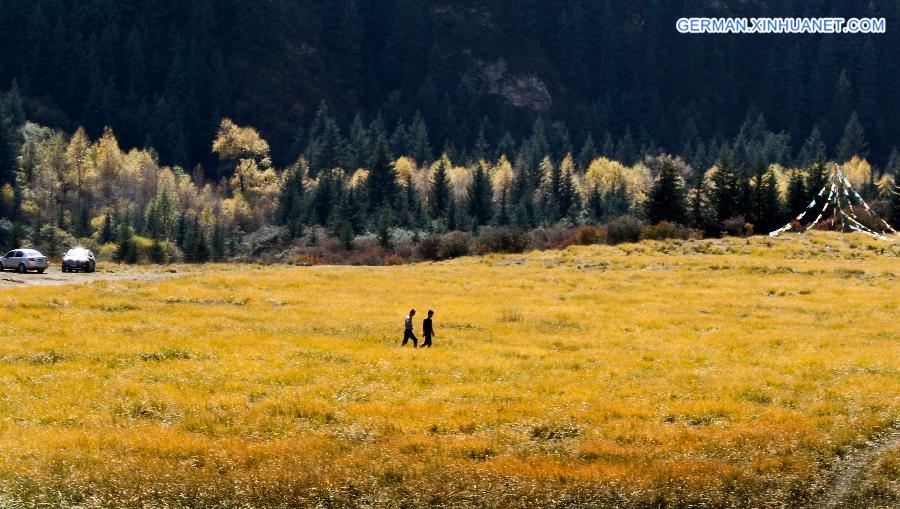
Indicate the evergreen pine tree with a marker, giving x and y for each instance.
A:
(609, 147)
(482, 148)
(156, 253)
(419, 148)
(106, 231)
(894, 200)
(199, 249)
(217, 242)
(382, 181)
(479, 197)
(439, 190)
(813, 148)
(727, 196)
(359, 145)
(666, 199)
(568, 193)
(383, 227)
(853, 142)
(816, 179)
(291, 210)
(796, 193)
(587, 155)
(766, 202)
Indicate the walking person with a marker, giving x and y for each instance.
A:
(428, 329)
(408, 329)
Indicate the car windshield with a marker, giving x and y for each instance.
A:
(32, 252)
(77, 252)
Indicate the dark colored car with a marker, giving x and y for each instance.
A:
(79, 258)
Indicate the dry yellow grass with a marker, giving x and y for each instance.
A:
(700, 372)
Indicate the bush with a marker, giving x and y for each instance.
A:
(551, 238)
(666, 230)
(588, 235)
(501, 240)
(454, 245)
(52, 241)
(107, 252)
(624, 229)
(428, 248)
(737, 226)
(266, 239)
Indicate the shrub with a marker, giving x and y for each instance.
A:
(587, 235)
(501, 240)
(266, 238)
(107, 252)
(737, 226)
(454, 245)
(624, 229)
(393, 260)
(428, 248)
(666, 230)
(52, 241)
(551, 238)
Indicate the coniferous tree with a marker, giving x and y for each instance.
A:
(106, 231)
(767, 214)
(588, 153)
(816, 179)
(482, 148)
(419, 147)
(383, 227)
(550, 176)
(728, 190)
(479, 197)
(439, 189)
(595, 205)
(291, 210)
(503, 217)
(797, 193)
(568, 194)
(12, 116)
(666, 199)
(894, 200)
(382, 180)
(813, 148)
(198, 249)
(853, 142)
(359, 145)
(217, 242)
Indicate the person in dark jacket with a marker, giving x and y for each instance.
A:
(408, 329)
(428, 329)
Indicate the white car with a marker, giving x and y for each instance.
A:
(23, 260)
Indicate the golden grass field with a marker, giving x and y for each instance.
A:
(689, 373)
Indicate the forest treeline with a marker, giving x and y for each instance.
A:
(163, 74)
(364, 187)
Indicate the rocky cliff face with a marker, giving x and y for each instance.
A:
(524, 90)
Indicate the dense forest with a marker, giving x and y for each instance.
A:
(424, 117)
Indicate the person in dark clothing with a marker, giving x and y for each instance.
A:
(428, 329)
(408, 329)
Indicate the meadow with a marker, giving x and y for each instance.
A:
(712, 373)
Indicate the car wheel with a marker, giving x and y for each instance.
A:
(21, 269)
(41, 271)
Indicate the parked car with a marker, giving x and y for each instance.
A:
(23, 260)
(79, 258)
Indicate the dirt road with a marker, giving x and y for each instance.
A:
(54, 276)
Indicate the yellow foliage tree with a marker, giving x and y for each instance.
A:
(605, 175)
(858, 171)
(235, 142)
(501, 178)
